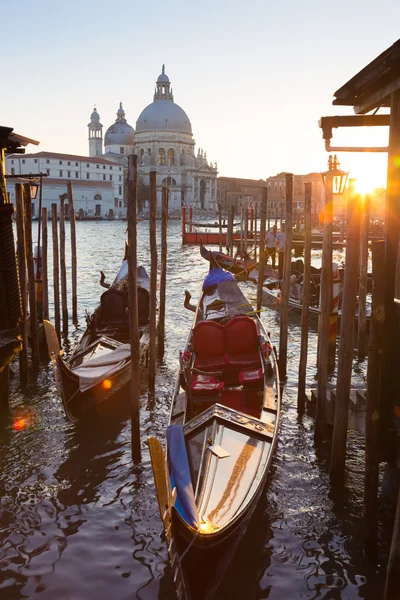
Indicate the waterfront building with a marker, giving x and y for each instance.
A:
(97, 182)
(240, 193)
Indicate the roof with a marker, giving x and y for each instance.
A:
(11, 141)
(94, 159)
(61, 181)
(163, 115)
(372, 86)
(240, 181)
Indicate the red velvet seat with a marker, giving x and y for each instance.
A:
(207, 389)
(251, 379)
(208, 345)
(242, 343)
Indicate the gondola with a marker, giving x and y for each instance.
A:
(241, 268)
(221, 437)
(100, 365)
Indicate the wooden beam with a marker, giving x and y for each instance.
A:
(378, 98)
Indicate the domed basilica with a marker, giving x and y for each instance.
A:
(163, 141)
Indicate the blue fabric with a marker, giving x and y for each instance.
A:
(180, 475)
(216, 276)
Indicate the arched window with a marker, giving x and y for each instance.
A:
(141, 153)
(168, 181)
(97, 197)
(171, 156)
(161, 156)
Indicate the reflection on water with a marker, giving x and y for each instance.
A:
(79, 521)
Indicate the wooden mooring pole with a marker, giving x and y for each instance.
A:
(133, 306)
(72, 223)
(153, 279)
(392, 586)
(305, 310)
(261, 262)
(287, 266)
(374, 374)
(21, 247)
(33, 316)
(220, 227)
(255, 232)
(63, 269)
(56, 271)
(325, 309)
(362, 281)
(346, 343)
(163, 273)
(45, 269)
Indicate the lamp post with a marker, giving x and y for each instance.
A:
(334, 181)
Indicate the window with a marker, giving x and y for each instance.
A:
(47, 161)
(120, 177)
(141, 154)
(97, 197)
(87, 175)
(115, 202)
(68, 163)
(48, 171)
(76, 164)
(69, 173)
(110, 168)
(120, 190)
(97, 166)
(161, 156)
(104, 177)
(60, 173)
(120, 168)
(168, 181)
(12, 171)
(23, 161)
(60, 162)
(120, 204)
(110, 177)
(35, 160)
(171, 156)
(149, 151)
(104, 166)
(87, 164)
(76, 174)
(121, 150)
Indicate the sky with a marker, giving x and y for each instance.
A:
(254, 77)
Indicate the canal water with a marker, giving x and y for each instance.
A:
(79, 521)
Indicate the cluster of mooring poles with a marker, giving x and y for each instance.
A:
(156, 333)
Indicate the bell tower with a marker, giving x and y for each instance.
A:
(95, 134)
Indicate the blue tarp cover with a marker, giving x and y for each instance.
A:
(216, 276)
(180, 475)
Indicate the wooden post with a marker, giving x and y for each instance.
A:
(246, 229)
(56, 272)
(261, 262)
(393, 569)
(4, 394)
(153, 279)
(163, 274)
(190, 219)
(220, 226)
(255, 232)
(324, 312)
(392, 226)
(133, 306)
(305, 309)
(33, 318)
(63, 270)
(231, 219)
(374, 374)
(72, 222)
(45, 272)
(183, 224)
(284, 304)
(363, 274)
(241, 231)
(346, 344)
(21, 247)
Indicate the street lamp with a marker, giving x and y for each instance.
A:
(336, 175)
(34, 186)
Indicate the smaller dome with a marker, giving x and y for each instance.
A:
(120, 133)
(163, 78)
(95, 115)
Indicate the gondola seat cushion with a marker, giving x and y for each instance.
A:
(253, 378)
(242, 343)
(206, 385)
(208, 345)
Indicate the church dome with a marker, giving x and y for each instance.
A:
(95, 116)
(120, 133)
(163, 114)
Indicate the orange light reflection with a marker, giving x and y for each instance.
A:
(107, 384)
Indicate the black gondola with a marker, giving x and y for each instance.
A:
(220, 440)
(101, 365)
(241, 268)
